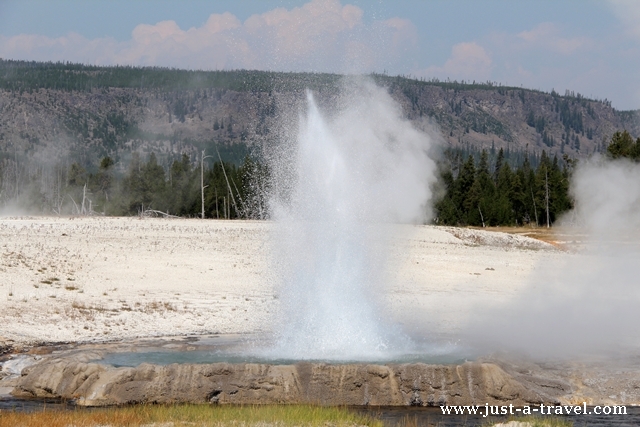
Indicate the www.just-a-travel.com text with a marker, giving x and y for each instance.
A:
(542, 409)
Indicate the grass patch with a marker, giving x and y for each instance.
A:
(194, 416)
(159, 306)
(533, 421)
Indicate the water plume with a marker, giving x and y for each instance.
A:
(339, 187)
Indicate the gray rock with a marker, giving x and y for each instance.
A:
(92, 384)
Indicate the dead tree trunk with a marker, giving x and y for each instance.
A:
(535, 210)
(231, 198)
(481, 217)
(546, 182)
(84, 197)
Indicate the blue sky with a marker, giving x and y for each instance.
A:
(591, 47)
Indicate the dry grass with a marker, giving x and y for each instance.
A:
(159, 306)
(71, 418)
(193, 415)
(89, 311)
(544, 234)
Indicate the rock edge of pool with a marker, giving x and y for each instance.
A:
(77, 373)
(418, 384)
(78, 376)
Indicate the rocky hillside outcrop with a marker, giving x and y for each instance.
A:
(85, 113)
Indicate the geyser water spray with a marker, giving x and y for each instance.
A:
(345, 180)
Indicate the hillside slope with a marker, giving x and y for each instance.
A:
(81, 113)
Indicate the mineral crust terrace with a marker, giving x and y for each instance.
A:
(75, 375)
(94, 384)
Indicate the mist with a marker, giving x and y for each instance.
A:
(347, 174)
(584, 303)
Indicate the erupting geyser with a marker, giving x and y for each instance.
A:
(338, 189)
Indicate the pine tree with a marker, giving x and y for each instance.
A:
(472, 204)
(183, 187)
(622, 145)
(462, 186)
(559, 190)
(486, 202)
(153, 181)
(542, 190)
(519, 199)
(133, 185)
(102, 182)
(528, 179)
(504, 211)
(498, 167)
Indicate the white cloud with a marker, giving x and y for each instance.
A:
(628, 12)
(551, 56)
(547, 36)
(402, 31)
(322, 35)
(548, 56)
(468, 61)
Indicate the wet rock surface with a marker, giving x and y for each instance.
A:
(71, 373)
(94, 384)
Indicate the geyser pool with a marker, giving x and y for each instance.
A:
(167, 357)
(241, 349)
(340, 183)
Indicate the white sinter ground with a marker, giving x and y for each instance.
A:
(94, 279)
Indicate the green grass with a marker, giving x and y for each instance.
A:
(193, 416)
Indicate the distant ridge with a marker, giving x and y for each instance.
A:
(87, 112)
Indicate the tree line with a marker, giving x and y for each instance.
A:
(187, 188)
(32, 75)
(478, 192)
(478, 188)
(623, 146)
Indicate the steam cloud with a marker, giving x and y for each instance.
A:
(585, 303)
(339, 186)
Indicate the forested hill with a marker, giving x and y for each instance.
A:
(98, 111)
